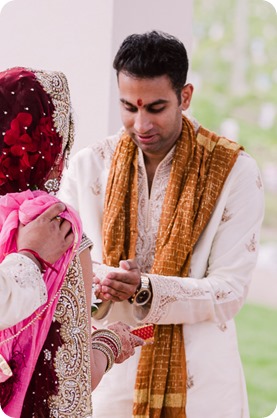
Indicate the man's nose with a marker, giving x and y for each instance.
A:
(143, 123)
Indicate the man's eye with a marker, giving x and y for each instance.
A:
(130, 109)
(156, 110)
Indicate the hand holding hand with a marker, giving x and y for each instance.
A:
(118, 284)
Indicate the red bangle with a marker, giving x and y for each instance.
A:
(44, 264)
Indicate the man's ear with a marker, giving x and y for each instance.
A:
(186, 95)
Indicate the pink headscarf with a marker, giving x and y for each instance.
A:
(31, 332)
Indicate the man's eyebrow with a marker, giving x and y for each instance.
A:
(127, 103)
(155, 103)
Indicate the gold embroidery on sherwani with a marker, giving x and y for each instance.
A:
(199, 169)
(72, 361)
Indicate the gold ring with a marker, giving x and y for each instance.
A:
(58, 218)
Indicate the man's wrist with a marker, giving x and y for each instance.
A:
(143, 294)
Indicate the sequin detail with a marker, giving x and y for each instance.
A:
(55, 84)
(72, 361)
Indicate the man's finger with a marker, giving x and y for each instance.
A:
(129, 264)
(117, 291)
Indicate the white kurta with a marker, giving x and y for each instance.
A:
(22, 289)
(205, 303)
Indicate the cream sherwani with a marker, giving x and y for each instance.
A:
(205, 302)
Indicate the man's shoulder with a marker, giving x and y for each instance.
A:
(245, 160)
(244, 168)
(100, 151)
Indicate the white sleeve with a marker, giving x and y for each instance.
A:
(69, 192)
(231, 259)
(22, 289)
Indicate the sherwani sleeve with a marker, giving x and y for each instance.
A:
(230, 247)
(22, 289)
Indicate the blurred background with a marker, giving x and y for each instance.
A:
(232, 47)
(234, 71)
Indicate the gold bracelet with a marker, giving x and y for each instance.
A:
(110, 338)
(104, 348)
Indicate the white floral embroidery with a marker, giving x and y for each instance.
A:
(190, 379)
(222, 327)
(259, 182)
(221, 294)
(244, 154)
(99, 150)
(96, 187)
(105, 150)
(167, 292)
(150, 209)
(149, 213)
(226, 215)
(252, 246)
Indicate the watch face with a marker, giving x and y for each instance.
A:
(143, 296)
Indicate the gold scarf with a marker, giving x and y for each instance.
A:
(200, 167)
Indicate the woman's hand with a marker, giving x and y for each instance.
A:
(128, 340)
(49, 235)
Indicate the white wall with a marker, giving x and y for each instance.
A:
(81, 38)
(172, 16)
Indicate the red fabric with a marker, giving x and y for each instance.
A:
(28, 138)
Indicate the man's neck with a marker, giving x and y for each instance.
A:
(150, 167)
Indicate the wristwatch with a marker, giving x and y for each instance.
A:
(144, 293)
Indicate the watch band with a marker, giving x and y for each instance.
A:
(144, 294)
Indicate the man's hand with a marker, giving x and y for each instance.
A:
(119, 284)
(49, 235)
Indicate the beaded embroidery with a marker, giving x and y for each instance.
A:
(55, 84)
(72, 360)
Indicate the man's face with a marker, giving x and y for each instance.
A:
(151, 112)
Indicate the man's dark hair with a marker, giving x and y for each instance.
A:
(153, 54)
